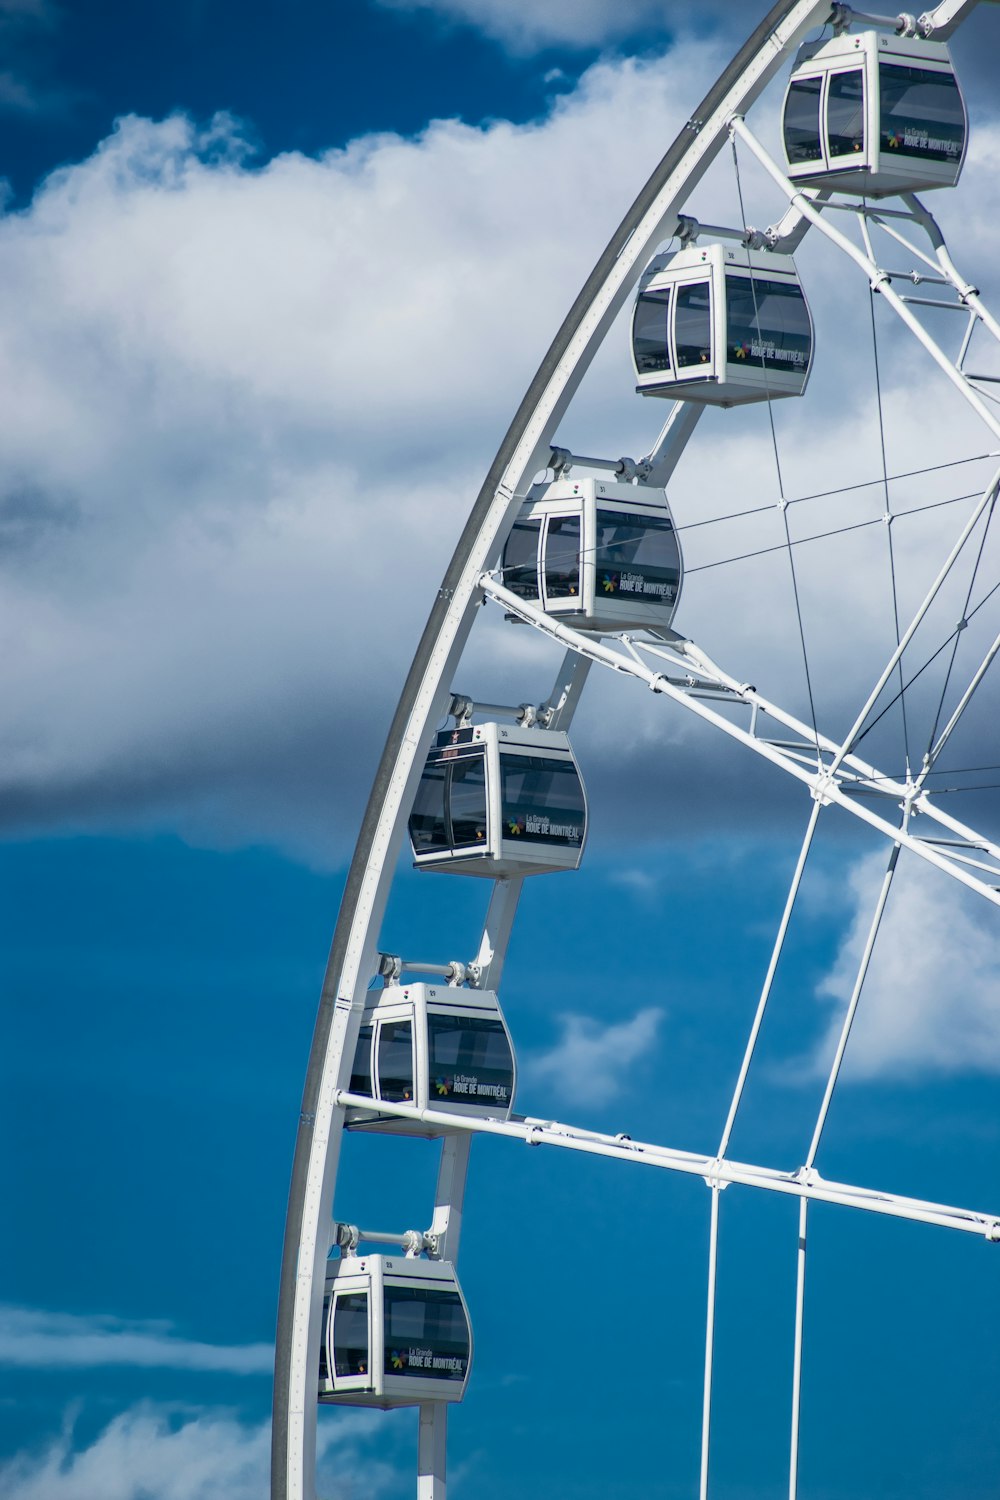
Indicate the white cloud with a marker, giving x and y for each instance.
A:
(931, 1003)
(589, 1063)
(34, 1338)
(155, 1452)
(640, 883)
(248, 408)
(248, 411)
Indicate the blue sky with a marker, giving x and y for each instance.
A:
(272, 280)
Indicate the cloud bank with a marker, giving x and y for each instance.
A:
(931, 1002)
(250, 404)
(33, 1338)
(590, 1063)
(153, 1452)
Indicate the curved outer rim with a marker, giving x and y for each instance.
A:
(523, 451)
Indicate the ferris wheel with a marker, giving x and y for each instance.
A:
(586, 552)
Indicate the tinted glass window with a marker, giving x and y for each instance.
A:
(650, 342)
(562, 557)
(470, 1061)
(801, 123)
(361, 1073)
(845, 114)
(520, 559)
(693, 325)
(920, 113)
(324, 1363)
(767, 323)
(467, 801)
(426, 1334)
(350, 1334)
(449, 810)
(395, 1061)
(542, 800)
(636, 557)
(428, 828)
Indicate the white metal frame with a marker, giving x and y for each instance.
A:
(501, 853)
(372, 1274)
(832, 772)
(870, 172)
(582, 497)
(417, 1002)
(720, 381)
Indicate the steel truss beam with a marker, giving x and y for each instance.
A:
(802, 759)
(718, 1172)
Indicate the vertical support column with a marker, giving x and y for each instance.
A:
(800, 1301)
(566, 690)
(449, 1197)
(432, 1443)
(706, 1409)
(497, 928)
(432, 1483)
(665, 453)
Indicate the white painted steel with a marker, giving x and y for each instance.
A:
(880, 282)
(941, 21)
(706, 1395)
(800, 1303)
(801, 1183)
(353, 958)
(826, 782)
(355, 941)
(960, 708)
(772, 968)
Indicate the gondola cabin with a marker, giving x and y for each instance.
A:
(433, 1046)
(395, 1333)
(722, 325)
(874, 114)
(603, 555)
(497, 799)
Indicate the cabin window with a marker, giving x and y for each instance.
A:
(350, 1334)
(467, 801)
(650, 338)
(395, 1061)
(693, 324)
(361, 1073)
(801, 124)
(520, 559)
(636, 557)
(470, 1061)
(845, 113)
(562, 557)
(324, 1362)
(767, 324)
(449, 810)
(542, 800)
(921, 113)
(426, 1333)
(428, 823)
